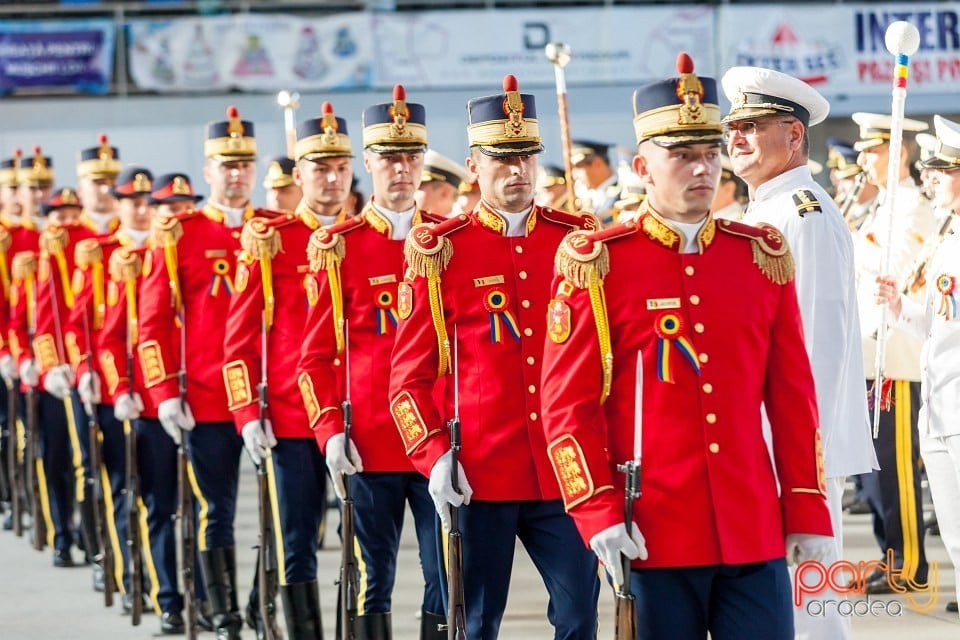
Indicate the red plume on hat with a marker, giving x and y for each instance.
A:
(105, 152)
(328, 119)
(234, 126)
(690, 90)
(399, 108)
(513, 104)
(39, 162)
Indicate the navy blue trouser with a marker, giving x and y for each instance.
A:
(298, 473)
(567, 566)
(214, 449)
(893, 491)
(57, 480)
(379, 502)
(731, 602)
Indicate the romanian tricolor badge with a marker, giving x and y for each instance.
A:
(386, 313)
(946, 285)
(496, 302)
(221, 278)
(669, 328)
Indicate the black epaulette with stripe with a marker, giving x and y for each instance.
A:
(806, 202)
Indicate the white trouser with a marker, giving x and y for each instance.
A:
(829, 625)
(941, 458)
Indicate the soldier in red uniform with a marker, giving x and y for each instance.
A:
(477, 284)
(43, 300)
(357, 265)
(184, 299)
(97, 171)
(34, 187)
(708, 531)
(274, 293)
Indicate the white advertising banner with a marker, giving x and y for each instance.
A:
(477, 47)
(254, 52)
(840, 48)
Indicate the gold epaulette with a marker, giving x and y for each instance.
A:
(260, 239)
(5, 239)
(87, 252)
(24, 265)
(581, 220)
(583, 255)
(166, 230)
(125, 264)
(771, 253)
(326, 244)
(427, 248)
(806, 202)
(54, 239)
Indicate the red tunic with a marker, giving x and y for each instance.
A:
(193, 261)
(23, 237)
(720, 333)
(466, 275)
(367, 266)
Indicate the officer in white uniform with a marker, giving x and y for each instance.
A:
(894, 491)
(935, 319)
(768, 144)
(728, 201)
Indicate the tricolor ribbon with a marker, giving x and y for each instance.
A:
(386, 312)
(886, 395)
(669, 328)
(946, 285)
(495, 303)
(221, 278)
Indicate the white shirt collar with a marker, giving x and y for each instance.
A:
(400, 221)
(689, 231)
(234, 217)
(516, 222)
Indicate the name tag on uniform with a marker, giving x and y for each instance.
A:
(662, 303)
(390, 277)
(485, 282)
(215, 253)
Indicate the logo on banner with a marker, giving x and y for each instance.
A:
(812, 60)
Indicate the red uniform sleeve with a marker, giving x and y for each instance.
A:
(76, 332)
(573, 418)
(112, 342)
(317, 376)
(17, 329)
(791, 406)
(242, 344)
(158, 322)
(413, 378)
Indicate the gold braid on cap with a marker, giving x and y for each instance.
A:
(259, 239)
(125, 265)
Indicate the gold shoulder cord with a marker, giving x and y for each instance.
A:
(262, 242)
(325, 254)
(598, 303)
(431, 265)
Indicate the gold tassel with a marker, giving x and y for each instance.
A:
(5, 240)
(54, 240)
(87, 252)
(779, 269)
(598, 304)
(324, 250)
(24, 265)
(428, 264)
(259, 239)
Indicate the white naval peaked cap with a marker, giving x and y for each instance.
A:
(875, 128)
(758, 92)
(946, 152)
(927, 144)
(439, 168)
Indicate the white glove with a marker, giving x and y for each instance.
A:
(802, 547)
(128, 406)
(610, 543)
(258, 439)
(441, 487)
(173, 417)
(59, 381)
(29, 374)
(89, 389)
(7, 369)
(338, 462)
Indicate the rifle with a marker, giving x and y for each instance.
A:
(13, 458)
(33, 455)
(456, 606)
(349, 571)
(625, 605)
(96, 492)
(185, 498)
(131, 482)
(267, 574)
(917, 279)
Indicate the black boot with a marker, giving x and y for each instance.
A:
(219, 568)
(301, 610)
(433, 626)
(374, 626)
(88, 533)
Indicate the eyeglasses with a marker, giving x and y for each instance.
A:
(747, 127)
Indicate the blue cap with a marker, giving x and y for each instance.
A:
(677, 111)
(395, 126)
(504, 124)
